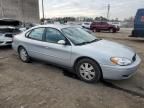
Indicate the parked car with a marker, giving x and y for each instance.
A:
(86, 25)
(75, 49)
(8, 28)
(29, 25)
(139, 24)
(115, 23)
(104, 26)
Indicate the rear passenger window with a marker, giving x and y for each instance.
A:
(37, 34)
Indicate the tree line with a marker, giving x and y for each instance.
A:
(86, 19)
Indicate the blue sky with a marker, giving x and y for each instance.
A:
(91, 8)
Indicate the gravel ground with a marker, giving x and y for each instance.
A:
(40, 85)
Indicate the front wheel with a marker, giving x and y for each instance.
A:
(24, 55)
(88, 70)
(112, 30)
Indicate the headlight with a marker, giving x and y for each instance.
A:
(120, 61)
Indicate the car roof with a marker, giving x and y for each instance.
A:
(57, 26)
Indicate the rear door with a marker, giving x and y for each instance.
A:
(34, 42)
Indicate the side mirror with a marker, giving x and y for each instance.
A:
(62, 42)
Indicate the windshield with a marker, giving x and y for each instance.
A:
(78, 36)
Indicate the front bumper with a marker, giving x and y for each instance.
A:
(120, 72)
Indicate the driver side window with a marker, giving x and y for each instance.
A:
(53, 35)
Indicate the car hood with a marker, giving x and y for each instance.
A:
(9, 22)
(112, 49)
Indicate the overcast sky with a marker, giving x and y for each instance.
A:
(91, 8)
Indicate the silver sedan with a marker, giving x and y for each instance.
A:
(77, 50)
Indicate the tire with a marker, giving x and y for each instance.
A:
(114, 31)
(94, 30)
(23, 55)
(88, 70)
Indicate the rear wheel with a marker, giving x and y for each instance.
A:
(88, 70)
(24, 55)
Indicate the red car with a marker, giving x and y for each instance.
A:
(104, 26)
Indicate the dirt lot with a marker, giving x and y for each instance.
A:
(39, 85)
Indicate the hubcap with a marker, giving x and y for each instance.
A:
(87, 71)
(23, 54)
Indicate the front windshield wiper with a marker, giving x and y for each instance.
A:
(83, 43)
(95, 40)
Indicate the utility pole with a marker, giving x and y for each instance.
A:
(43, 12)
(108, 11)
(22, 10)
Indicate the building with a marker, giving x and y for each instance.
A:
(23, 10)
